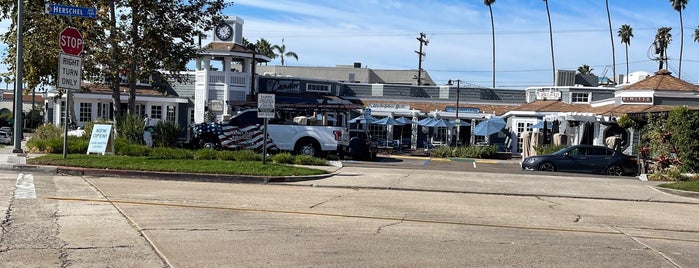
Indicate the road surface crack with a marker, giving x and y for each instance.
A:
(330, 199)
(380, 229)
(553, 204)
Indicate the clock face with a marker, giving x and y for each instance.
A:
(224, 32)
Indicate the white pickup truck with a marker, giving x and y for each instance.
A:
(245, 131)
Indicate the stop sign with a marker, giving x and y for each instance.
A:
(71, 41)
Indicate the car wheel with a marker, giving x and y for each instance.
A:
(308, 147)
(547, 166)
(615, 170)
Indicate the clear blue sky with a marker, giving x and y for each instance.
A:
(382, 34)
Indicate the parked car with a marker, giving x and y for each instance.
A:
(584, 159)
(7, 129)
(5, 138)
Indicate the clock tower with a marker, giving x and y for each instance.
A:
(229, 30)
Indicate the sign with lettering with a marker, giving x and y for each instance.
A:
(265, 105)
(637, 99)
(389, 106)
(101, 140)
(69, 71)
(71, 11)
(283, 86)
(548, 94)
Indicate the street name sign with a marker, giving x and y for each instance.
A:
(73, 11)
(69, 71)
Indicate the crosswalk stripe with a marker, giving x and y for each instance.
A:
(25, 187)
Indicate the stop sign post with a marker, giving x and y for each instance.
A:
(71, 41)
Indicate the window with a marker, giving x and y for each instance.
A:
(85, 113)
(171, 114)
(580, 97)
(63, 112)
(318, 88)
(156, 112)
(521, 127)
(103, 110)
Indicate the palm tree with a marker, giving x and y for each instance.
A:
(662, 40)
(696, 34)
(265, 48)
(611, 38)
(281, 52)
(679, 5)
(553, 62)
(492, 30)
(585, 69)
(625, 33)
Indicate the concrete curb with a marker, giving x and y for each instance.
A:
(678, 192)
(137, 174)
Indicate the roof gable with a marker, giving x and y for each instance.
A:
(662, 81)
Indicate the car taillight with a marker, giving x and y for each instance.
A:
(338, 135)
(633, 159)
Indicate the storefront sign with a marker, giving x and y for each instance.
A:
(637, 99)
(548, 94)
(285, 86)
(463, 110)
(389, 106)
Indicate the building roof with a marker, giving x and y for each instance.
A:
(9, 95)
(140, 90)
(662, 80)
(441, 106)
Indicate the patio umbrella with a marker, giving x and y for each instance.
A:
(425, 121)
(404, 120)
(362, 119)
(489, 127)
(387, 121)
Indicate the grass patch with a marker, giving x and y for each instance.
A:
(682, 185)
(174, 165)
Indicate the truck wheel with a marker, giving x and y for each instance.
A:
(209, 144)
(307, 147)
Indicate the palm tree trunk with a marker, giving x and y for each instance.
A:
(627, 63)
(611, 37)
(492, 30)
(553, 61)
(679, 72)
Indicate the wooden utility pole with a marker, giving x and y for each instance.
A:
(423, 41)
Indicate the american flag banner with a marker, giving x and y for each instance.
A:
(250, 137)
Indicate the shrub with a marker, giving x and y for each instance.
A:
(247, 155)
(283, 158)
(76, 145)
(548, 149)
(130, 127)
(122, 146)
(226, 155)
(166, 134)
(205, 154)
(171, 153)
(309, 160)
(47, 131)
(441, 152)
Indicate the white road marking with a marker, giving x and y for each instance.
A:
(25, 187)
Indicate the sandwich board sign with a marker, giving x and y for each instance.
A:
(101, 140)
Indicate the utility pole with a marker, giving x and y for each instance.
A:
(423, 41)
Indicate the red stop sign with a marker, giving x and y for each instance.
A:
(71, 41)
